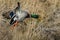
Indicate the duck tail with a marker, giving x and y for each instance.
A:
(18, 4)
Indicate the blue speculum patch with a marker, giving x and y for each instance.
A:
(11, 14)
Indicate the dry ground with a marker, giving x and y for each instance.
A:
(47, 27)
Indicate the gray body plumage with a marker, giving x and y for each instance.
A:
(20, 15)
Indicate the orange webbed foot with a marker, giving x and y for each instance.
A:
(14, 25)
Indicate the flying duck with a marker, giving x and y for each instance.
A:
(20, 15)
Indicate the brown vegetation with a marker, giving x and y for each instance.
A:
(45, 28)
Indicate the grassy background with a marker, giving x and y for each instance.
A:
(45, 28)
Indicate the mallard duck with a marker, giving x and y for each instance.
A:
(20, 15)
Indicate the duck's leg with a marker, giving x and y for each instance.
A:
(14, 25)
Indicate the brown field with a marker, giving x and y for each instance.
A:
(47, 27)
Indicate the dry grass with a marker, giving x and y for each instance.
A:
(45, 28)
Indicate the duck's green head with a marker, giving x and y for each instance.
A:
(34, 16)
